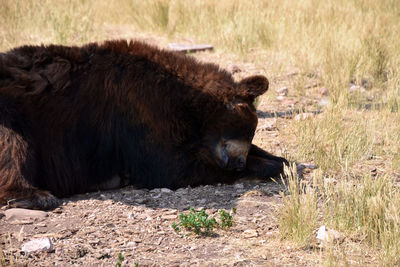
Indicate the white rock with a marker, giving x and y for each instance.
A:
(283, 91)
(249, 233)
(324, 102)
(131, 244)
(166, 190)
(238, 186)
(24, 214)
(326, 235)
(323, 91)
(304, 116)
(303, 166)
(37, 245)
(155, 190)
(281, 97)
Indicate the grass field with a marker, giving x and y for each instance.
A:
(355, 141)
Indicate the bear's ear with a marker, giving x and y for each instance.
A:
(253, 86)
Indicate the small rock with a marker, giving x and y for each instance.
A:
(166, 190)
(281, 98)
(323, 91)
(22, 222)
(324, 102)
(131, 244)
(155, 190)
(307, 166)
(38, 245)
(250, 233)
(253, 193)
(168, 217)
(268, 126)
(325, 235)
(233, 69)
(94, 241)
(24, 214)
(238, 186)
(140, 200)
(287, 102)
(304, 116)
(283, 91)
(58, 210)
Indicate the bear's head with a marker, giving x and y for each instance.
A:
(229, 131)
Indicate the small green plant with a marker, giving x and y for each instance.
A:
(200, 223)
(226, 219)
(120, 260)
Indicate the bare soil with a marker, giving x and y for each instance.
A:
(92, 229)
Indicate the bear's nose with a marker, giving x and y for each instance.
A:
(240, 163)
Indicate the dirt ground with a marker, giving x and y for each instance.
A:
(92, 229)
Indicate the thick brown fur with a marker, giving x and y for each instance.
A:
(74, 118)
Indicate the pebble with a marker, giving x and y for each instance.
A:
(168, 217)
(304, 116)
(155, 190)
(250, 233)
(37, 245)
(24, 214)
(283, 91)
(285, 101)
(131, 244)
(307, 166)
(324, 102)
(238, 186)
(323, 91)
(141, 200)
(166, 190)
(281, 97)
(325, 235)
(233, 69)
(268, 126)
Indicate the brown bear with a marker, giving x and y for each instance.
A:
(101, 116)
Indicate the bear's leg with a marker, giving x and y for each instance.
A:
(262, 164)
(18, 163)
(258, 152)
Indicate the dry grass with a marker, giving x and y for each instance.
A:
(333, 41)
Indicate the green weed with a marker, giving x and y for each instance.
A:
(201, 223)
